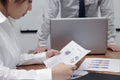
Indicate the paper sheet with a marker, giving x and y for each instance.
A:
(101, 64)
(70, 54)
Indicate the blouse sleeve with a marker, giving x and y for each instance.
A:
(14, 74)
(26, 59)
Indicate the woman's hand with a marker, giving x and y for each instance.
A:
(51, 53)
(62, 71)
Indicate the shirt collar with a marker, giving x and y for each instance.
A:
(2, 18)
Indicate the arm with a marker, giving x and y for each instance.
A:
(59, 72)
(52, 12)
(106, 8)
(44, 30)
(14, 74)
(26, 59)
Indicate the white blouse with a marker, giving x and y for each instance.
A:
(10, 56)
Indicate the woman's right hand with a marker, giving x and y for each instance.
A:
(62, 71)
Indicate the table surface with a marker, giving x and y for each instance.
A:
(109, 54)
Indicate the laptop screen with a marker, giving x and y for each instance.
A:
(90, 33)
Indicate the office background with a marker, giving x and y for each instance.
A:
(33, 20)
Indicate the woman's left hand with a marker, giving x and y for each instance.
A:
(51, 53)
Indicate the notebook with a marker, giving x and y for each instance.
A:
(90, 33)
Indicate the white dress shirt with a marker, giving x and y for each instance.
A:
(10, 56)
(70, 8)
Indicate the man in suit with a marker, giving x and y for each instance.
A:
(71, 9)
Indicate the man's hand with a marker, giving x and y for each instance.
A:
(114, 48)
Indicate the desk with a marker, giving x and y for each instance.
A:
(109, 54)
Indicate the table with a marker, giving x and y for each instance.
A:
(109, 54)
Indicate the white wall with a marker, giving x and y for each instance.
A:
(28, 41)
(32, 21)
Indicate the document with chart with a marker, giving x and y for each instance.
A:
(101, 64)
(70, 54)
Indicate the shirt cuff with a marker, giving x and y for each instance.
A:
(44, 74)
(111, 41)
(41, 56)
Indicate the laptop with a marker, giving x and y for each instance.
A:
(90, 33)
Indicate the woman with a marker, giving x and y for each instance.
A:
(10, 54)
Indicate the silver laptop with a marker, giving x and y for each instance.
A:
(90, 33)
